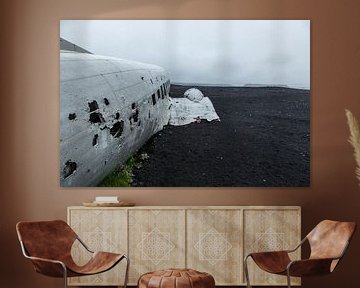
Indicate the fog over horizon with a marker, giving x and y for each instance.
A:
(223, 52)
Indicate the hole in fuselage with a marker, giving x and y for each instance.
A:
(69, 168)
(95, 139)
(117, 129)
(93, 106)
(72, 116)
(136, 115)
(96, 117)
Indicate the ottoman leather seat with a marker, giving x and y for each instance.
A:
(176, 278)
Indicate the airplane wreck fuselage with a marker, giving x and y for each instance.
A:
(109, 108)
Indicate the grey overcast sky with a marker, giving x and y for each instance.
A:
(234, 52)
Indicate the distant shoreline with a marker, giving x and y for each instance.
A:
(242, 86)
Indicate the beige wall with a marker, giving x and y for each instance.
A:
(30, 119)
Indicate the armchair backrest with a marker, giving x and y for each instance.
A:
(329, 239)
(46, 239)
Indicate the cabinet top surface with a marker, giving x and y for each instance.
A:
(193, 207)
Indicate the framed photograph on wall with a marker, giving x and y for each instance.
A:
(185, 103)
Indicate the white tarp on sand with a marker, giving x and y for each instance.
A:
(184, 111)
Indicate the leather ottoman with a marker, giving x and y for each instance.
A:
(176, 278)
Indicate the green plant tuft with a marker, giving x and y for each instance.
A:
(123, 177)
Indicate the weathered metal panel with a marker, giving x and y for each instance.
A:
(109, 108)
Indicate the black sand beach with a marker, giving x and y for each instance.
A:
(262, 140)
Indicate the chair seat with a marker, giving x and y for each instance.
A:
(99, 262)
(48, 244)
(272, 262)
(328, 242)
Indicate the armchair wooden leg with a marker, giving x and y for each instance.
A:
(246, 270)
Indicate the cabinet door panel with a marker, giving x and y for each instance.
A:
(213, 240)
(214, 244)
(270, 230)
(156, 240)
(100, 230)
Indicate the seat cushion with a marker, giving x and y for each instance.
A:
(176, 278)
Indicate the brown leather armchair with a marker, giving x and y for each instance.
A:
(328, 242)
(48, 245)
